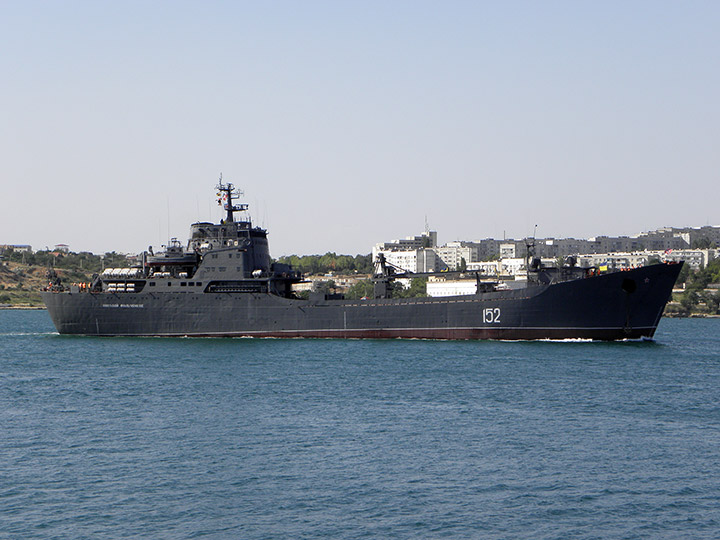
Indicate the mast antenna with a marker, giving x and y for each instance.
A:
(226, 192)
(530, 251)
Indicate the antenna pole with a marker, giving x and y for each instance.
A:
(227, 192)
(530, 249)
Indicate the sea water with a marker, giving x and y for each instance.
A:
(260, 439)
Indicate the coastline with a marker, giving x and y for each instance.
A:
(692, 316)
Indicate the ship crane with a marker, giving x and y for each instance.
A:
(385, 273)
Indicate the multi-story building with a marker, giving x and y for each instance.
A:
(428, 239)
(412, 254)
(452, 254)
(422, 254)
(694, 258)
(691, 236)
(487, 249)
(416, 260)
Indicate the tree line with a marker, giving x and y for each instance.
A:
(85, 262)
(364, 288)
(697, 298)
(91, 263)
(330, 262)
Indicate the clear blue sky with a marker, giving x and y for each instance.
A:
(347, 123)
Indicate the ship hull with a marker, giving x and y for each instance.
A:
(622, 305)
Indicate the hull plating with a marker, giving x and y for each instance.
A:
(601, 307)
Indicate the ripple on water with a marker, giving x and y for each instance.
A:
(241, 438)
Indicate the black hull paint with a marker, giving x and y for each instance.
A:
(599, 308)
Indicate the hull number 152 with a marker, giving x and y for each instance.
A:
(491, 315)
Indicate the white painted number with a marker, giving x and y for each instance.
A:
(491, 315)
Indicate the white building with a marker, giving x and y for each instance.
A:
(615, 261)
(507, 250)
(416, 260)
(694, 258)
(412, 254)
(17, 248)
(451, 287)
(453, 253)
(428, 239)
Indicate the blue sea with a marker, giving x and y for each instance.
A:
(108, 438)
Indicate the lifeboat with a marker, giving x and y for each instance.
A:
(174, 255)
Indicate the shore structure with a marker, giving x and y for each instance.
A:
(422, 253)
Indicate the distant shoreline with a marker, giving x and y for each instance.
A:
(692, 316)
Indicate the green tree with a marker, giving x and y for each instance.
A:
(684, 274)
(689, 300)
(713, 270)
(702, 243)
(326, 263)
(364, 264)
(326, 286)
(712, 301)
(418, 288)
(329, 262)
(362, 289)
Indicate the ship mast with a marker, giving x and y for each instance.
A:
(530, 254)
(226, 192)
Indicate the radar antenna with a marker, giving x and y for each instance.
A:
(226, 192)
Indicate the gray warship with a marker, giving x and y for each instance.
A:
(223, 283)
